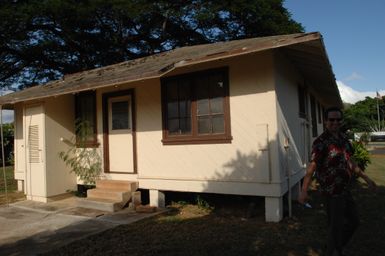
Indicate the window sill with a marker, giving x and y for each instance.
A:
(88, 145)
(183, 140)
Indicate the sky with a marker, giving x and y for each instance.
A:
(354, 36)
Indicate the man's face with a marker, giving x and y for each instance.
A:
(333, 121)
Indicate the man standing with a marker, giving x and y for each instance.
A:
(331, 161)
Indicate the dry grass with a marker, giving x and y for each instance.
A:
(12, 194)
(226, 230)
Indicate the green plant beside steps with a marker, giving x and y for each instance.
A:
(84, 161)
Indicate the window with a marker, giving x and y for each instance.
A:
(319, 112)
(302, 102)
(85, 116)
(196, 108)
(178, 95)
(119, 113)
(313, 116)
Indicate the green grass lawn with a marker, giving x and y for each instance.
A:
(190, 230)
(11, 182)
(376, 170)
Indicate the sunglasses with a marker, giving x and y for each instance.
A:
(334, 119)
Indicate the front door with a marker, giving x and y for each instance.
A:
(119, 133)
(35, 176)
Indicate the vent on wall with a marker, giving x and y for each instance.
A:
(33, 142)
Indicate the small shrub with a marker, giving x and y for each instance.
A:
(85, 162)
(203, 204)
(364, 138)
(360, 155)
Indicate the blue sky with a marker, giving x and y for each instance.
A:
(354, 36)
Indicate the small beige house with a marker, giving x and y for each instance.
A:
(232, 117)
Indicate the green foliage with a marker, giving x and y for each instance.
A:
(361, 155)
(365, 138)
(42, 40)
(8, 137)
(203, 204)
(363, 117)
(85, 162)
(10, 179)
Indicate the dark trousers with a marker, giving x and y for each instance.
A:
(343, 221)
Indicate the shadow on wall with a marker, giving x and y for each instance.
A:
(242, 174)
(246, 167)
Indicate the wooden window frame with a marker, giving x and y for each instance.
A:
(94, 142)
(313, 110)
(302, 102)
(194, 137)
(319, 109)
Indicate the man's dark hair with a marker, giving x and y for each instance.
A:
(332, 109)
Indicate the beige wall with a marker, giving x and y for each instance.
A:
(19, 146)
(220, 168)
(291, 126)
(59, 122)
(296, 130)
(201, 167)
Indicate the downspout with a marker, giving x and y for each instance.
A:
(2, 154)
(267, 150)
(288, 173)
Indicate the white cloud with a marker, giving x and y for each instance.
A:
(7, 116)
(353, 77)
(350, 95)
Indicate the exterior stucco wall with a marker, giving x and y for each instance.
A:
(235, 168)
(19, 144)
(59, 122)
(220, 168)
(293, 129)
(291, 126)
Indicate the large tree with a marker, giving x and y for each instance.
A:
(41, 40)
(364, 116)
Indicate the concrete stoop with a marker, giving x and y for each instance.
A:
(111, 195)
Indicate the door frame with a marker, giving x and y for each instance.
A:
(105, 113)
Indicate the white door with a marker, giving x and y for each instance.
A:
(120, 136)
(35, 178)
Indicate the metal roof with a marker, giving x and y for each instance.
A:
(305, 50)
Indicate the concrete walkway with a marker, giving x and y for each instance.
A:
(31, 228)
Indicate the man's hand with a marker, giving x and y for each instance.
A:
(371, 184)
(303, 196)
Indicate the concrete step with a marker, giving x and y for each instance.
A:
(101, 204)
(123, 185)
(112, 195)
(117, 195)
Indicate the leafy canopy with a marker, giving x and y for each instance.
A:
(41, 40)
(363, 115)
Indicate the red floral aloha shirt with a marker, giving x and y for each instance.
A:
(331, 156)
